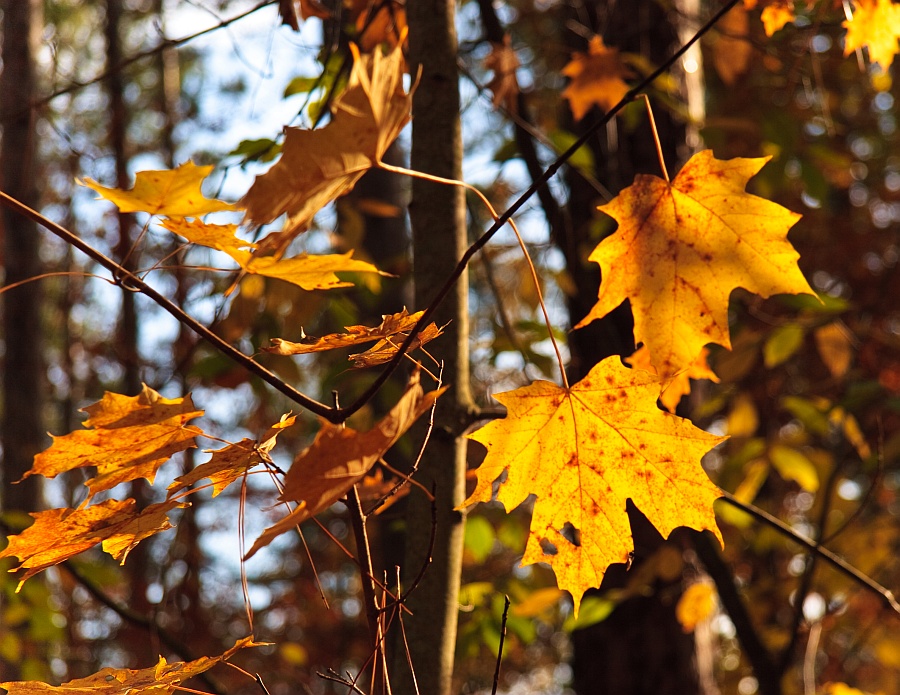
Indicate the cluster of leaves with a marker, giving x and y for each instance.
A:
(681, 248)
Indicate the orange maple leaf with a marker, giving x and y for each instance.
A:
(317, 166)
(175, 193)
(680, 385)
(231, 462)
(340, 457)
(775, 13)
(155, 680)
(390, 334)
(583, 452)
(597, 79)
(58, 534)
(876, 25)
(129, 437)
(682, 247)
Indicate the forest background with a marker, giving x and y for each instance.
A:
(807, 394)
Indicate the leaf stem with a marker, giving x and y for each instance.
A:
(659, 151)
(514, 227)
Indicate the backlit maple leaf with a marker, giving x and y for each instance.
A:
(682, 247)
(307, 271)
(583, 452)
(680, 385)
(174, 192)
(775, 13)
(154, 680)
(317, 166)
(597, 79)
(128, 437)
(58, 534)
(340, 457)
(876, 25)
(221, 237)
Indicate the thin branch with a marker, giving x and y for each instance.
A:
(548, 174)
(500, 648)
(129, 280)
(887, 596)
(159, 48)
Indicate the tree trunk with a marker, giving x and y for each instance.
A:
(437, 214)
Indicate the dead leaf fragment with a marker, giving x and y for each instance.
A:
(175, 193)
(317, 166)
(155, 680)
(340, 457)
(128, 437)
(875, 25)
(585, 451)
(682, 247)
(598, 79)
(58, 534)
(504, 62)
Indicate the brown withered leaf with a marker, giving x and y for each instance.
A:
(317, 166)
(340, 457)
(384, 350)
(128, 437)
(387, 25)
(393, 326)
(504, 63)
(231, 462)
(598, 79)
(58, 534)
(155, 680)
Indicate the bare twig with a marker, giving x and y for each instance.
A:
(500, 647)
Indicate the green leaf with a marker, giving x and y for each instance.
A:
(792, 464)
(302, 85)
(583, 159)
(479, 537)
(782, 344)
(594, 609)
(807, 413)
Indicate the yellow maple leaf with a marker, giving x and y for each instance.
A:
(696, 604)
(597, 79)
(231, 462)
(175, 193)
(154, 680)
(58, 534)
(129, 437)
(317, 166)
(679, 385)
(583, 452)
(340, 457)
(307, 271)
(221, 237)
(876, 25)
(682, 247)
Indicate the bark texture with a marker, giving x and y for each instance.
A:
(437, 215)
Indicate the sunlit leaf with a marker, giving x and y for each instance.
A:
(597, 79)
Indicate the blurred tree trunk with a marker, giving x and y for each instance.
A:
(438, 218)
(23, 430)
(640, 649)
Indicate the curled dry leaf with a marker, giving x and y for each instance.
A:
(175, 193)
(503, 61)
(58, 534)
(128, 437)
(390, 334)
(586, 450)
(682, 247)
(155, 680)
(340, 457)
(598, 79)
(317, 166)
(231, 462)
